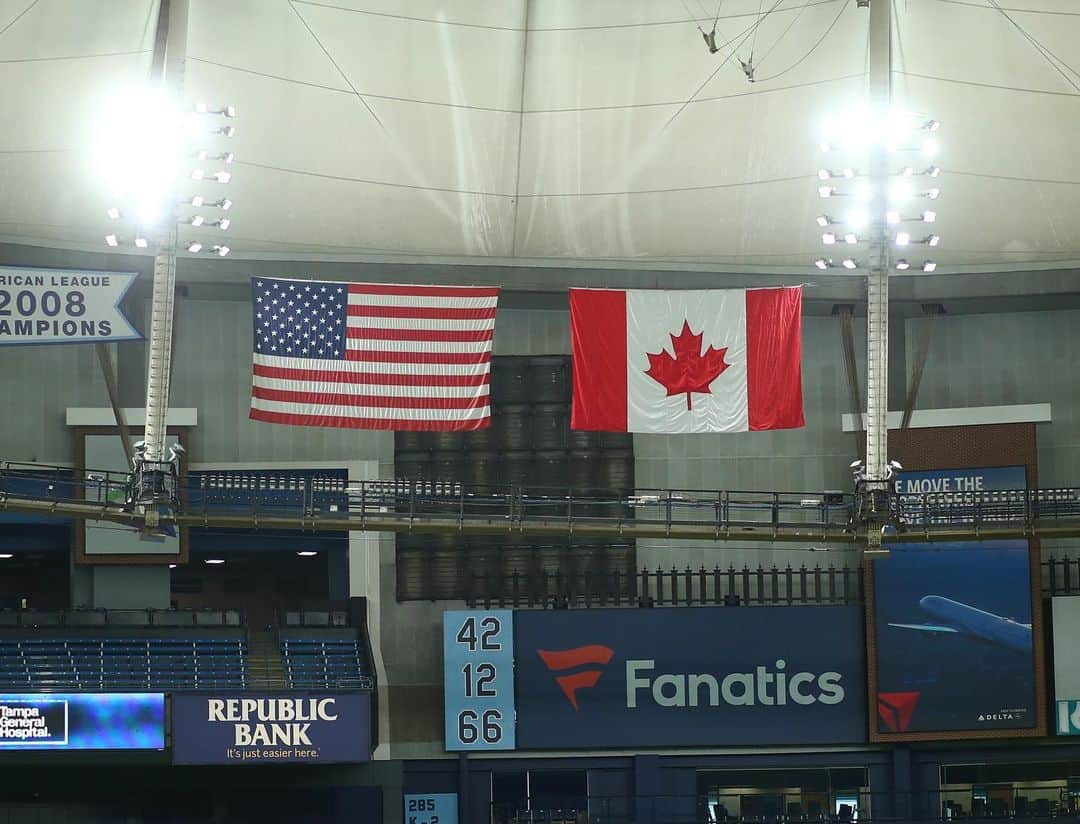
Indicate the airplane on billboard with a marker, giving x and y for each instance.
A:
(961, 619)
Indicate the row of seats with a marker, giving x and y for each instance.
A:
(122, 663)
(334, 663)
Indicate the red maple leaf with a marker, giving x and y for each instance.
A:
(689, 371)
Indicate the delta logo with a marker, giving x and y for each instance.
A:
(581, 668)
(896, 708)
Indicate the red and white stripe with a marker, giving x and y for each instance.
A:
(416, 357)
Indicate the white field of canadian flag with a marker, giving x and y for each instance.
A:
(718, 360)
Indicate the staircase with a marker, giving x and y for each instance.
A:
(265, 667)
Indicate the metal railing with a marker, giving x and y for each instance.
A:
(783, 807)
(703, 586)
(716, 586)
(123, 618)
(450, 506)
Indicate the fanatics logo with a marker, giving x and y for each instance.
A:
(895, 709)
(560, 660)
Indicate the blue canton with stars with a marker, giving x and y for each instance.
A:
(300, 318)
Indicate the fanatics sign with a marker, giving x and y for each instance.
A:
(689, 361)
(703, 676)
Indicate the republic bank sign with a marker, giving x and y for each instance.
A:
(694, 676)
(254, 729)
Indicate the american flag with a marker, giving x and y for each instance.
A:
(371, 355)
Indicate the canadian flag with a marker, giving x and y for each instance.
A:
(718, 360)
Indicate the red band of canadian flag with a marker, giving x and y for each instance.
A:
(688, 361)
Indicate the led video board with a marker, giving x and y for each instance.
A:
(82, 721)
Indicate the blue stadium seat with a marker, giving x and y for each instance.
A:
(325, 663)
(114, 663)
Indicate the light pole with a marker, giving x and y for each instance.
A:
(154, 150)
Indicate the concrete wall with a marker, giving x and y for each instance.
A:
(974, 360)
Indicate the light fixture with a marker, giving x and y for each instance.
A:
(907, 171)
(934, 171)
(828, 238)
(198, 174)
(141, 242)
(225, 204)
(223, 223)
(197, 220)
(228, 157)
(933, 240)
(226, 131)
(6, 556)
(201, 108)
(826, 191)
(214, 561)
(222, 177)
(858, 219)
(230, 111)
(172, 566)
(929, 216)
(136, 149)
(849, 172)
(850, 238)
(113, 213)
(194, 247)
(821, 263)
(221, 250)
(903, 238)
(307, 553)
(112, 240)
(902, 265)
(932, 125)
(822, 221)
(202, 154)
(848, 263)
(197, 200)
(892, 217)
(929, 266)
(933, 193)
(824, 174)
(899, 192)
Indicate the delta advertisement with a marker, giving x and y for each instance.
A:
(1066, 617)
(955, 489)
(84, 721)
(271, 729)
(702, 676)
(954, 651)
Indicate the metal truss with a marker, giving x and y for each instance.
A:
(450, 507)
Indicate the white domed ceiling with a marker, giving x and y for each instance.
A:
(556, 129)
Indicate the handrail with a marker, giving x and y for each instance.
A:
(728, 586)
(433, 505)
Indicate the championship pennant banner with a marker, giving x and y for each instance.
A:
(63, 306)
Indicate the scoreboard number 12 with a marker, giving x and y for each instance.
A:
(479, 672)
